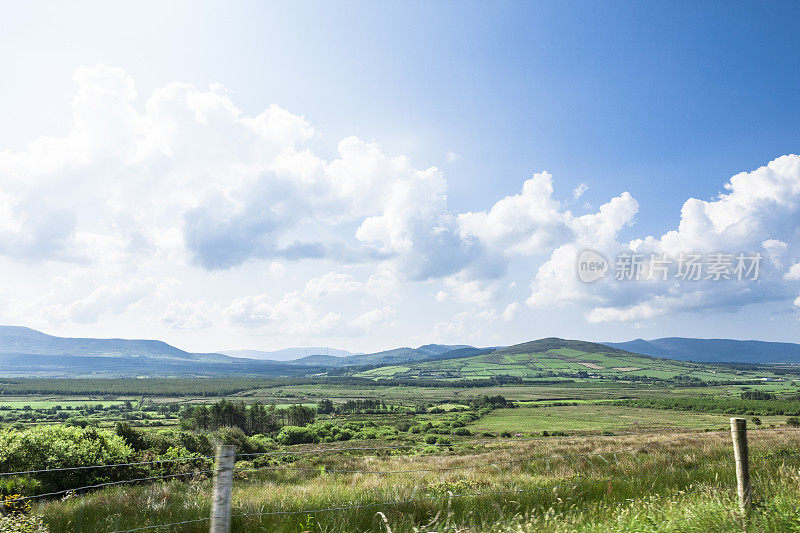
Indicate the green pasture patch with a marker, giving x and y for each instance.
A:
(591, 418)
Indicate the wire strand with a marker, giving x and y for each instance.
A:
(474, 442)
(69, 468)
(108, 484)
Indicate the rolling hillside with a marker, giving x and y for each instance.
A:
(552, 358)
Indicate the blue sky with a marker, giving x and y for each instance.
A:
(664, 101)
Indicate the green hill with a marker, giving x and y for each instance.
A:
(557, 359)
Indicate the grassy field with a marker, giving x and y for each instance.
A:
(673, 483)
(593, 418)
(562, 363)
(664, 482)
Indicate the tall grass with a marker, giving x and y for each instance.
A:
(682, 485)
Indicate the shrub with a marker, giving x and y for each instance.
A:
(48, 447)
(234, 436)
(462, 432)
(132, 437)
(431, 439)
(757, 395)
(297, 435)
(793, 421)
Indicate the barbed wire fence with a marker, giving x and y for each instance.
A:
(224, 469)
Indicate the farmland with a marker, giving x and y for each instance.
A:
(439, 433)
(546, 360)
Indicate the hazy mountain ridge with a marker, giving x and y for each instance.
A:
(714, 350)
(405, 354)
(288, 354)
(24, 351)
(22, 340)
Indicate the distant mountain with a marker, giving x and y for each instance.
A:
(714, 350)
(286, 354)
(544, 358)
(21, 340)
(27, 352)
(554, 343)
(427, 352)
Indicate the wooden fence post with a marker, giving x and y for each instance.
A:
(223, 486)
(739, 434)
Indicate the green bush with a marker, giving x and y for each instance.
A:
(297, 435)
(236, 437)
(431, 439)
(48, 447)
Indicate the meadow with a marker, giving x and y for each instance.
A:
(674, 481)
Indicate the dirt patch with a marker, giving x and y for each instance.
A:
(628, 368)
(592, 365)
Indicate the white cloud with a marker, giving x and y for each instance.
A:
(758, 211)
(794, 273)
(375, 316)
(578, 191)
(112, 299)
(528, 223)
(465, 290)
(276, 270)
(775, 250)
(511, 311)
(452, 157)
(612, 314)
(331, 283)
(316, 310)
(186, 315)
(182, 183)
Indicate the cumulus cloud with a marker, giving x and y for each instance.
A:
(511, 311)
(375, 316)
(182, 178)
(527, 223)
(307, 311)
(794, 273)
(186, 315)
(105, 299)
(756, 215)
